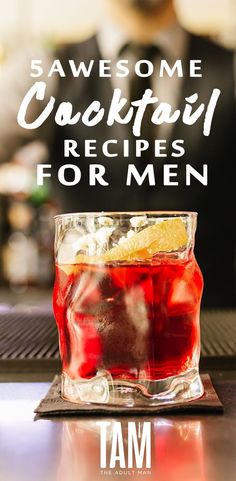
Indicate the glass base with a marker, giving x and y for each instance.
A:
(102, 389)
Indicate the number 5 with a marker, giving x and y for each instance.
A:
(36, 69)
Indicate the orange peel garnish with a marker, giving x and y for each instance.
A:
(166, 236)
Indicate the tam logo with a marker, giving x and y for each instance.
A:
(113, 453)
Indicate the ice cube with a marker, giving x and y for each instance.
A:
(103, 235)
(65, 254)
(130, 234)
(105, 221)
(138, 221)
(122, 239)
(125, 339)
(137, 309)
(182, 297)
(93, 243)
(83, 243)
(116, 235)
(70, 245)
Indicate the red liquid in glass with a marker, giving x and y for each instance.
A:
(138, 321)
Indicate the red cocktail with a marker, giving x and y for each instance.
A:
(128, 317)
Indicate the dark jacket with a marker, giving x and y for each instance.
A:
(215, 203)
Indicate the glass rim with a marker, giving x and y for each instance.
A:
(128, 213)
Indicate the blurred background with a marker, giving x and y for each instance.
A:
(26, 212)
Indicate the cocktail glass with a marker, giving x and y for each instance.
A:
(126, 300)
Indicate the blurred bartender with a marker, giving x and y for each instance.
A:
(135, 30)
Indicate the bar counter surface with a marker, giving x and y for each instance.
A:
(185, 447)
